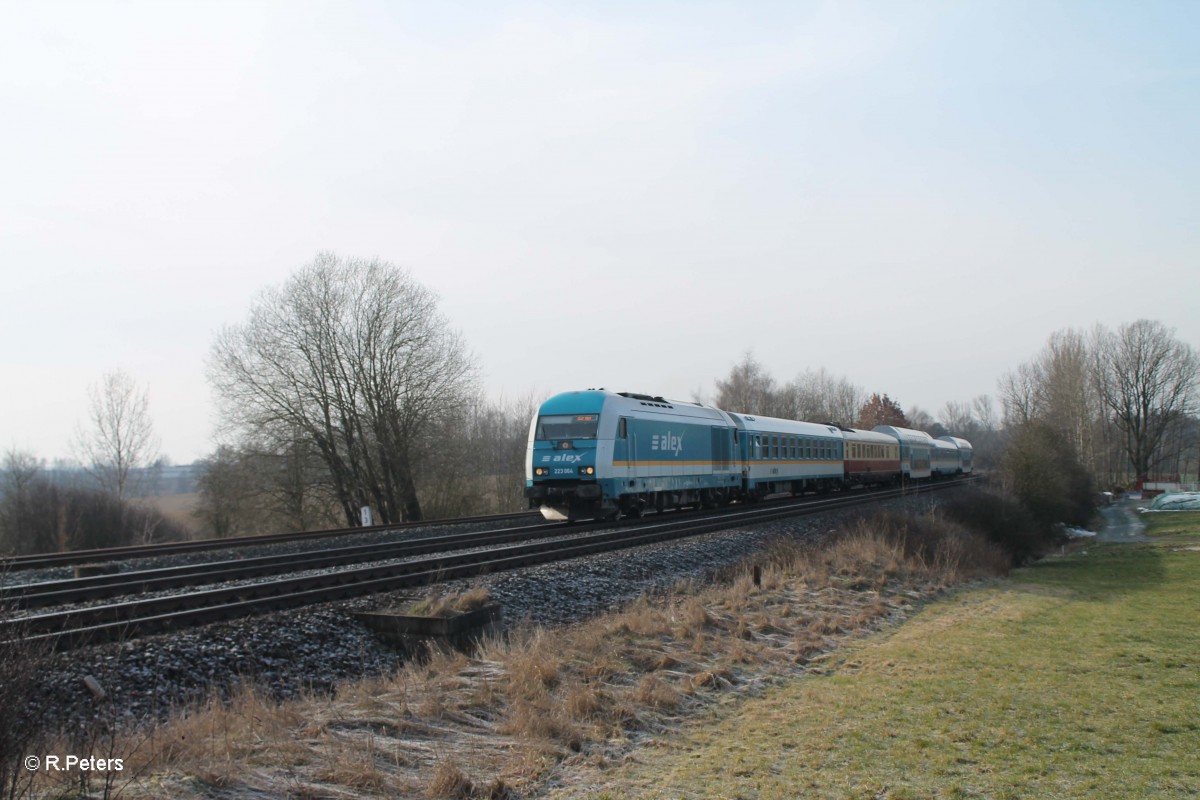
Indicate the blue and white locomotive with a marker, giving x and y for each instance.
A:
(602, 454)
(598, 453)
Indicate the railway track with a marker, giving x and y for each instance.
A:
(73, 590)
(106, 554)
(117, 621)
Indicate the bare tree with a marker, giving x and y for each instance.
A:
(749, 389)
(121, 436)
(1147, 381)
(1019, 394)
(921, 420)
(353, 356)
(985, 412)
(819, 396)
(958, 418)
(1069, 399)
(1056, 388)
(226, 498)
(17, 471)
(18, 476)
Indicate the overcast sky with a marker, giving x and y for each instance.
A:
(629, 195)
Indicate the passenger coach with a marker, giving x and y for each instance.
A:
(871, 457)
(915, 447)
(965, 453)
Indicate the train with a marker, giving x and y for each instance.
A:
(599, 454)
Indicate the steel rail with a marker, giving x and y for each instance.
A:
(49, 593)
(74, 628)
(98, 555)
(42, 594)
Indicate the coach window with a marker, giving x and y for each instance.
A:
(622, 432)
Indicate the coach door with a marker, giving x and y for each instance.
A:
(722, 449)
(627, 437)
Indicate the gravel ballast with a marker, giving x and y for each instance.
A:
(315, 648)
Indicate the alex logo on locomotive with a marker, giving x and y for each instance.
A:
(564, 458)
(668, 442)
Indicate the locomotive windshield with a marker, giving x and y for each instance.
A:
(568, 426)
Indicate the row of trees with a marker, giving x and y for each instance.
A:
(1125, 401)
(819, 396)
(345, 387)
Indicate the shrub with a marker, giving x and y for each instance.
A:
(53, 518)
(1003, 522)
(19, 671)
(1043, 472)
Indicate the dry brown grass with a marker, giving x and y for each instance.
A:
(449, 605)
(458, 726)
(178, 508)
(449, 782)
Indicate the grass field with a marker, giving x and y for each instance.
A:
(1172, 523)
(1078, 678)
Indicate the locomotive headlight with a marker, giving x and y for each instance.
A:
(587, 470)
(540, 471)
